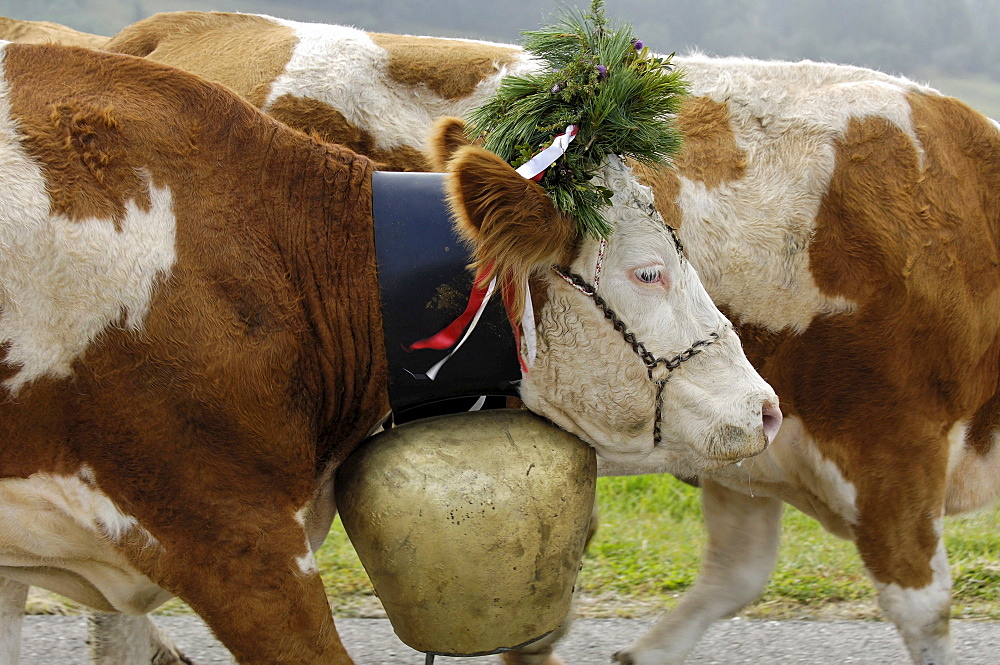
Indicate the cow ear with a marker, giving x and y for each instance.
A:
(446, 137)
(509, 219)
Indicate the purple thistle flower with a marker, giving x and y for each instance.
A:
(602, 72)
(638, 44)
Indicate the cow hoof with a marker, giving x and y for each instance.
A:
(519, 658)
(623, 657)
(171, 658)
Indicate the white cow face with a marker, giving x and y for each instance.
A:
(600, 379)
(589, 379)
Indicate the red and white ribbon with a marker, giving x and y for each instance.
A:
(534, 168)
(449, 337)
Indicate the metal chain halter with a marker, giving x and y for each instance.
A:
(649, 360)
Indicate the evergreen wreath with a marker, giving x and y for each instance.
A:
(600, 78)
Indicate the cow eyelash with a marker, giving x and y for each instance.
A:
(647, 274)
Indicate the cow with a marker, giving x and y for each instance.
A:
(873, 307)
(377, 93)
(845, 220)
(45, 32)
(192, 340)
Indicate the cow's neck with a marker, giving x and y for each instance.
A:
(329, 248)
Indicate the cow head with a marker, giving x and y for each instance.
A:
(590, 374)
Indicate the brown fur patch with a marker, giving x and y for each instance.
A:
(88, 171)
(709, 155)
(450, 67)
(903, 236)
(329, 124)
(44, 32)
(446, 137)
(985, 426)
(666, 188)
(242, 51)
(509, 219)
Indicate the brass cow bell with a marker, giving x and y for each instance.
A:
(470, 526)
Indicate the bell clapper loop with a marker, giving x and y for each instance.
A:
(429, 659)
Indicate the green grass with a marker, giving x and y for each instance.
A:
(648, 547)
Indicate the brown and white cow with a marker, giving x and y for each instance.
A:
(192, 341)
(849, 221)
(45, 32)
(113, 638)
(845, 219)
(376, 93)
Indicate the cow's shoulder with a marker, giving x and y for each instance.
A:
(452, 68)
(98, 205)
(782, 131)
(96, 132)
(44, 32)
(242, 51)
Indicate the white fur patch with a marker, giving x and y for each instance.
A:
(921, 615)
(343, 68)
(750, 238)
(827, 482)
(956, 444)
(62, 281)
(59, 532)
(307, 562)
(74, 499)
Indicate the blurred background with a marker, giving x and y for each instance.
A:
(950, 44)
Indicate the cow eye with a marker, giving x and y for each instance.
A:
(648, 274)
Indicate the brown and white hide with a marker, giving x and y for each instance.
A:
(45, 32)
(192, 342)
(846, 220)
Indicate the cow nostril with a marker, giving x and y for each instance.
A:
(772, 420)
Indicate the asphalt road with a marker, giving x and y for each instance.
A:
(49, 640)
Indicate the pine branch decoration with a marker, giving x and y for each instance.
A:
(600, 78)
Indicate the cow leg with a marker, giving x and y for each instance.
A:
(13, 595)
(920, 613)
(115, 639)
(743, 537)
(261, 596)
(289, 622)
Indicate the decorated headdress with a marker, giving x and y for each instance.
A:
(600, 92)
